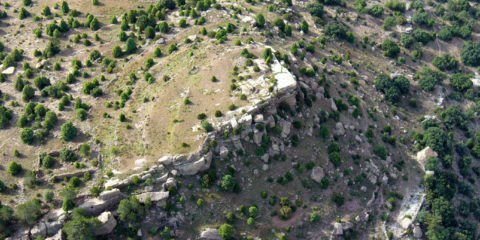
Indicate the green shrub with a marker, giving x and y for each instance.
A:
(376, 10)
(338, 199)
(68, 131)
(380, 151)
(260, 20)
(396, 5)
(428, 78)
(14, 168)
(285, 212)
(81, 114)
(470, 54)
(407, 40)
(226, 231)
(228, 183)
(460, 82)
(117, 52)
(48, 196)
(315, 9)
(27, 136)
(445, 62)
(67, 155)
(390, 48)
(131, 46)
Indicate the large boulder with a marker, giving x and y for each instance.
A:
(210, 234)
(424, 154)
(223, 152)
(108, 223)
(257, 136)
(317, 174)
(9, 71)
(286, 126)
(339, 129)
(104, 201)
(337, 229)
(417, 232)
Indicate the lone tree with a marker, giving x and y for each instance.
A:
(68, 131)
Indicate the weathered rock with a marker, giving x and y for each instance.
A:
(259, 118)
(210, 234)
(333, 106)
(257, 136)
(223, 152)
(9, 71)
(170, 182)
(417, 232)
(78, 173)
(337, 229)
(424, 154)
(167, 159)
(286, 126)
(116, 183)
(41, 64)
(154, 196)
(192, 38)
(106, 200)
(317, 174)
(339, 129)
(57, 236)
(193, 168)
(246, 120)
(108, 223)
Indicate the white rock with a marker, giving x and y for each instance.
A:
(259, 118)
(9, 71)
(210, 234)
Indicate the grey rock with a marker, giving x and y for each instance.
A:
(104, 201)
(337, 229)
(223, 152)
(417, 232)
(317, 174)
(108, 223)
(154, 196)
